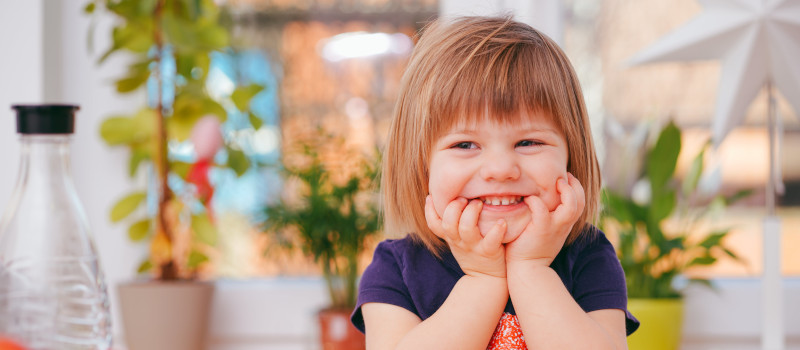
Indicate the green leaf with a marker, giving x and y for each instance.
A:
(89, 9)
(144, 266)
(120, 130)
(196, 258)
(204, 230)
(738, 196)
(145, 122)
(202, 64)
(188, 105)
(117, 131)
(191, 37)
(127, 205)
(180, 168)
(238, 161)
(255, 121)
(184, 65)
(693, 175)
(139, 230)
(213, 107)
(662, 206)
(127, 9)
(107, 54)
(713, 239)
(131, 83)
(213, 37)
(182, 122)
(717, 205)
(191, 7)
(147, 6)
(137, 156)
(176, 32)
(134, 36)
(703, 260)
(668, 245)
(662, 159)
(242, 95)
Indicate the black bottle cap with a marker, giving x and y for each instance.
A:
(45, 119)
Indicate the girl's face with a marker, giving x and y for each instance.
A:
(499, 164)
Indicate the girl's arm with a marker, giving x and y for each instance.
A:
(551, 319)
(466, 320)
(549, 316)
(469, 315)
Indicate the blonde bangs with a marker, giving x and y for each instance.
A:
(507, 78)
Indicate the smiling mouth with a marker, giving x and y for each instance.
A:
(501, 200)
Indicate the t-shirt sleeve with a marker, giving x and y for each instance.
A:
(600, 281)
(382, 282)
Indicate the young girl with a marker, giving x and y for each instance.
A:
(491, 172)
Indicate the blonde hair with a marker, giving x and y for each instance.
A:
(463, 69)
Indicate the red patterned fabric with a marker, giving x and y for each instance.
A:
(507, 335)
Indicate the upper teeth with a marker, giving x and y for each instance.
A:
(505, 200)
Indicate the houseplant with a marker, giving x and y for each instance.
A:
(330, 216)
(169, 43)
(658, 238)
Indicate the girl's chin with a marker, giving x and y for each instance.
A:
(516, 224)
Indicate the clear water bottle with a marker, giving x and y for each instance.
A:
(52, 291)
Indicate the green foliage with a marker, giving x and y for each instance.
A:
(238, 161)
(204, 230)
(332, 221)
(242, 95)
(152, 31)
(127, 205)
(651, 257)
(196, 258)
(139, 230)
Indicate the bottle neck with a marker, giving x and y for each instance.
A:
(44, 157)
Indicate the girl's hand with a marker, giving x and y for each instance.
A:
(545, 235)
(476, 254)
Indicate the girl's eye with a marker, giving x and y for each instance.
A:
(464, 145)
(528, 143)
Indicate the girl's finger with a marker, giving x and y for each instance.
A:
(539, 212)
(580, 194)
(494, 238)
(433, 219)
(468, 224)
(451, 216)
(567, 211)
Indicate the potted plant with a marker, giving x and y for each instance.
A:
(656, 223)
(329, 216)
(170, 43)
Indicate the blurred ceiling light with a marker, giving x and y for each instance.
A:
(365, 45)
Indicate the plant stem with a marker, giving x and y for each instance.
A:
(168, 268)
(328, 276)
(352, 275)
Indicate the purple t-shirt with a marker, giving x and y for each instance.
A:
(404, 273)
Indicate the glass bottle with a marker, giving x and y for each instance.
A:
(52, 290)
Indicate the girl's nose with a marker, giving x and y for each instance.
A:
(500, 166)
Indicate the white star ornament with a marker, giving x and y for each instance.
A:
(758, 42)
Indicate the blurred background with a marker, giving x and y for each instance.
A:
(335, 65)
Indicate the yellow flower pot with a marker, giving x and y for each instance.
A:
(662, 321)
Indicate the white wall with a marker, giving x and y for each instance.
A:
(20, 77)
(45, 59)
